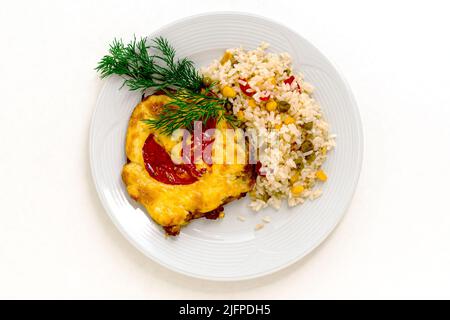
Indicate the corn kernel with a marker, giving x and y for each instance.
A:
(227, 56)
(228, 92)
(295, 177)
(297, 190)
(289, 120)
(221, 215)
(240, 115)
(324, 151)
(321, 175)
(271, 106)
(272, 80)
(278, 126)
(252, 103)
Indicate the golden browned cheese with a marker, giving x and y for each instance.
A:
(172, 206)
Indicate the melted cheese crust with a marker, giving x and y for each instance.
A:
(175, 205)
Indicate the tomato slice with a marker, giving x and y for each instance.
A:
(160, 166)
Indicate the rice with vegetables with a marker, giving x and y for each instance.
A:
(277, 105)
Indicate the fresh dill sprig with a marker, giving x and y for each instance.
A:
(188, 106)
(154, 66)
(144, 70)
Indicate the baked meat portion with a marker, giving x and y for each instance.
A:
(174, 205)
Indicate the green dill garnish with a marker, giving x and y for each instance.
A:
(154, 66)
(187, 107)
(143, 70)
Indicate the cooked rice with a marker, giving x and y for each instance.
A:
(265, 73)
(259, 226)
(266, 219)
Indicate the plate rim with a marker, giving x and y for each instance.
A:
(301, 256)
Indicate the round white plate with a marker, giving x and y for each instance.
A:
(230, 249)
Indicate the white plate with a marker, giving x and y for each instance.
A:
(230, 249)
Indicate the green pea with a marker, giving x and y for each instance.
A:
(310, 158)
(308, 126)
(306, 146)
(283, 106)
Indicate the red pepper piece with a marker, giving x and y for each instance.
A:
(245, 88)
(289, 82)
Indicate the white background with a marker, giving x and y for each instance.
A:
(56, 240)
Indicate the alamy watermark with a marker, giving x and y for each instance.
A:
(225, 146)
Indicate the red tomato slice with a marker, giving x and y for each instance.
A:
(161, 167)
